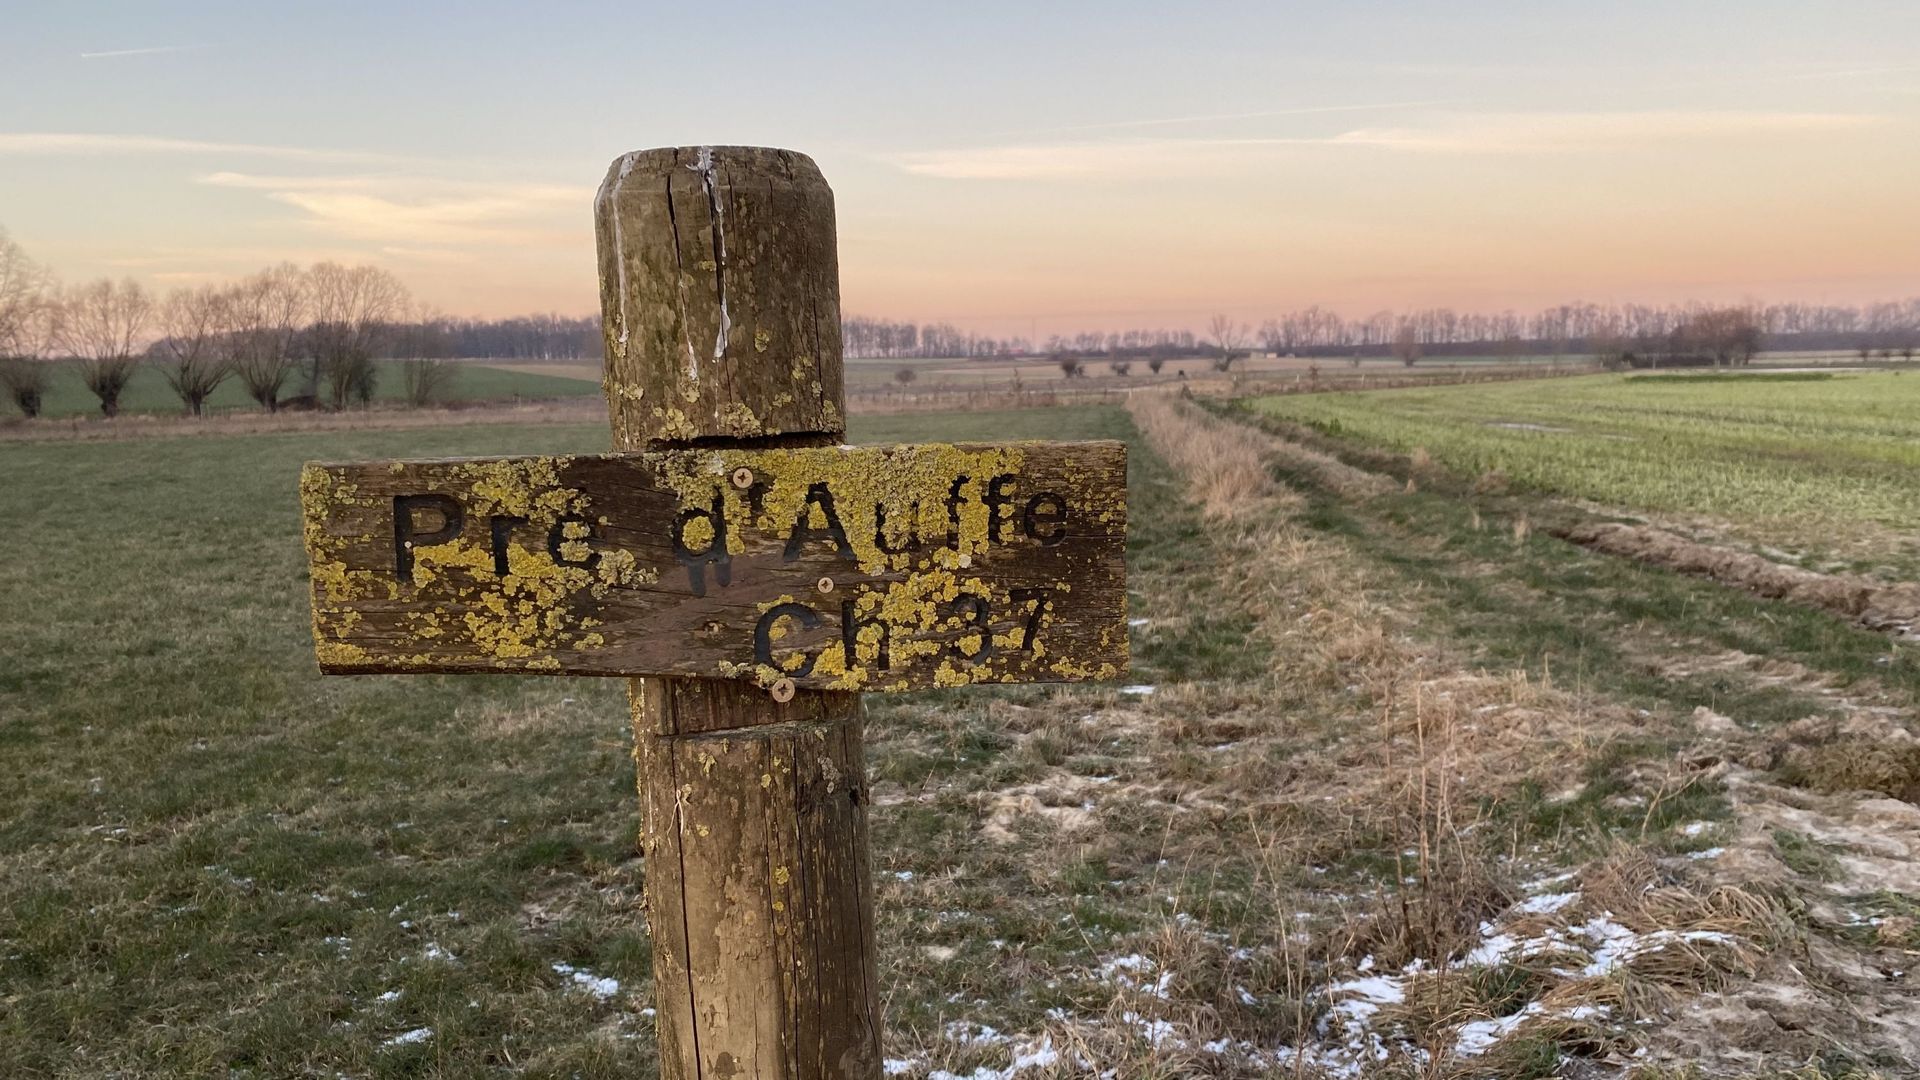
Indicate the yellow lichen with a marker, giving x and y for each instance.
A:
(919, 525)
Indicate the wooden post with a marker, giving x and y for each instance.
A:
(720, 295)
(754, 572)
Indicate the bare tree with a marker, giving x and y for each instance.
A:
(26, 316)
(103, 325)
(265, 313)
(26, 371)
(1231, 337)
(905, 375)
(424, 345)
(1070, 366)
(1731, 335)
(1276, 336)
(353, 308)
(195, 322)
(1406, 343)
(22, 287)
(1120, 367)
(1614, 350)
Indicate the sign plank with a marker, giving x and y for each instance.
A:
(846, 568)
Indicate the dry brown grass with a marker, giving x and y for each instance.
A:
(1224, 464)
(1830, 754)
(1367, 774)
(1421, 744)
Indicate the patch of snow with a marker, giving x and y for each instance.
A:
(1550, 882)
(1158, 1033)
(1130, 972)
(1546, 904)
(405, 1038)
(968, 1033)
(1492, 949)
(1138, 690)
(601, 988)
(1478, 1037)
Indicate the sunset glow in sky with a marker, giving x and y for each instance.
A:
(1011, 168)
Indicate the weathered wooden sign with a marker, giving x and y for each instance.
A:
(755, 572)
(846, 568)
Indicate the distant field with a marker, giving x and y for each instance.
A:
(933, 374)
(1797, 452)
(873, 372)
(149, 392)
(581, 370)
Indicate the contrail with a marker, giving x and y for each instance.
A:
(150, 51)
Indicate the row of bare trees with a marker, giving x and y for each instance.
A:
(865, 336)
(1726, 336)
(1887, 328)
(547, 336)
(1588, 328)
(287, 334)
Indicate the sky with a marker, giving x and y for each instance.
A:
(1024, 168)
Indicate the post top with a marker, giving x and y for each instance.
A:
(747, 159)
(720, 298)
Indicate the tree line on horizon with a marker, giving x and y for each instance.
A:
(1564, 329)
(313, 336)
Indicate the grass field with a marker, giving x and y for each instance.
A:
(1802, 458)
(1382, 725)
(213, 860)
(149, 392)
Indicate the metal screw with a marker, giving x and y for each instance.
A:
(782, 690)
(743, 478)
(825, 585)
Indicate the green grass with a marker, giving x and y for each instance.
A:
(1735, 377)
(149, 392)
(1611, 628)
(1779, 452)
(1805, 856)
(1546, 606)
(213, 861)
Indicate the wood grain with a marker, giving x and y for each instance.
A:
(736, 996)
(720, 296)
